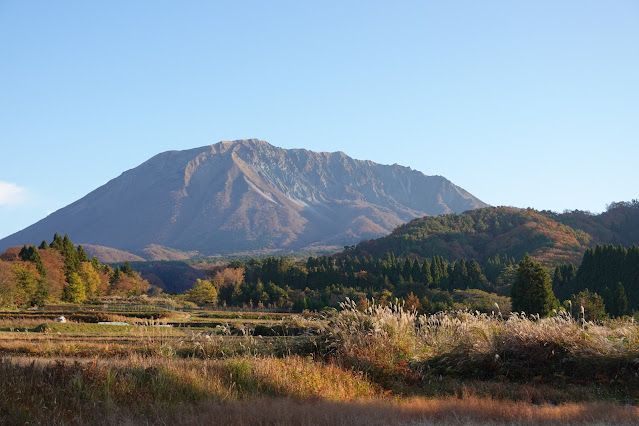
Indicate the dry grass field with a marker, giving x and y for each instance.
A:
(381, 366)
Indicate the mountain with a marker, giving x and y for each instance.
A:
(248, 195)
(550, 238)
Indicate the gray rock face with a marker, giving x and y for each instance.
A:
(249, 195)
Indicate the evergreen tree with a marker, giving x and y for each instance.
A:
(127, 270)
(416, 271)
(31, 254)
(532, 291)
(41, 293)
(117, 273)
(96, 264)
(82, 255)
(557, 279)
(57, 243)
(407, 269)
(620, 301)
(593, 305)
(476, 276)
(427, 278)
(71, 260)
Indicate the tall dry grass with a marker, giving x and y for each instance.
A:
(249, 390)
(59, 392)
(389, 343)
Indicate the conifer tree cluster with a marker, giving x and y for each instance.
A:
(325, 280)
(607, 271)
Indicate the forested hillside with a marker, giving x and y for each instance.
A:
(550, 238)
(61, 272)
(462, 261)
(482, 234)
(619, 224)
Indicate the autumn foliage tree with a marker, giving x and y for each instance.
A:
(127, 282)
(202, 293)
(75, 290)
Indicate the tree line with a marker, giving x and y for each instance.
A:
(608, 278)
(318, 282)
(605, 284)
(598, 285)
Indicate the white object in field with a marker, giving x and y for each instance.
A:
(61, 318)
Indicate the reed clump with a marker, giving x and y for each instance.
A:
(389, 343)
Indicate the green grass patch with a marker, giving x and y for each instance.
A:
(78, 328)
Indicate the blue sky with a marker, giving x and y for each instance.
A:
(521, 103)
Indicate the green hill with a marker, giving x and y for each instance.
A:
(550, 238)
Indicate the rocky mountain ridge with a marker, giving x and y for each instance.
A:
(249, 195)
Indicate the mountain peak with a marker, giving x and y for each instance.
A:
(253, 142)
(247, 194)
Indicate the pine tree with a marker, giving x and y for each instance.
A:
(127, 270)
(82, 255)
(71, 260)
(96, 264)
(416, 271)
(117, 273)
(476, 275)
(557, 279)
(31, 254)
(620, 301)
(407, 269)
(532, 291)
(593, 305)
(41, 293)
(57, 242)
(427, 278)
(24, 253)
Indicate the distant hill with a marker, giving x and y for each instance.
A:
(248, 195)
(110, 255)
(483, 233)
(156, 252)
(619, 224)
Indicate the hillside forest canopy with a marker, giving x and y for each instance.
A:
(606, 283)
